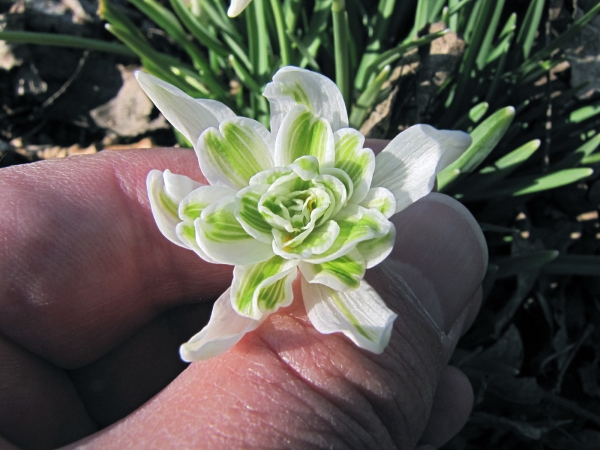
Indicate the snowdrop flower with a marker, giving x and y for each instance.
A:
(304, 198)
(236, 7)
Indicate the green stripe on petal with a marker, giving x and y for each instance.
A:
(192, 205)
(360, 314)
(356, 161)
(380, 199)
(186, 232)
(357, 224)
(247, 214)
(341, 274)
(262, 288)
(165, 191)
(376, 250)
(234, 153)
(317, 242)
(304, 134)
(293, 86)
(222, 237)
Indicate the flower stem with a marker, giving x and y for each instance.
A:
(284, 45)
(340, 36)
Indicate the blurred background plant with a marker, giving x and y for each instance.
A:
(520, 76)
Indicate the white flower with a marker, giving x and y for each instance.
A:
(236, 7)
(306, 196)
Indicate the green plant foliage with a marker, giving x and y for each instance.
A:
(527, 177)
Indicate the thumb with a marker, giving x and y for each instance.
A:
(432, 280)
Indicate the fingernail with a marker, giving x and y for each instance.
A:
(441, 254)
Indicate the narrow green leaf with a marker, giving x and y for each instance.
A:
(492, 26)
(284, 45)
(244, 76)
(532, 184)
(502, 168)
(64, 40)
(583, 265)
(530, 27)
(513, 265)
(316, 30)
(474, 115)
(367, 99)
(579, 155)
(308, 58)
(457, 6)
(166, 20)
(485, 138)
(556, 43)
(197, 29)
(340, 40)
(396, 53)
(375, 45)
(592, 159)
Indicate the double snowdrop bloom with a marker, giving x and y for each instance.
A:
(304, 198)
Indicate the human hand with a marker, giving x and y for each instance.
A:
(95, 303)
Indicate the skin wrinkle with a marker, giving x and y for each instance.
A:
(302, 435)
(336, 401)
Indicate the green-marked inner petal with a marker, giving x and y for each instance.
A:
(341, 274)
(295, 91)
(234, 153)
(304, 134)
(192, 205)
(356, 161)
(221, 236)
(380, 199)
(315, 243)
(250, 218)
(264, 287)
(376, 250)
(168, 204)
(356, 224)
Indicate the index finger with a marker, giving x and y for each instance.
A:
(82, 263)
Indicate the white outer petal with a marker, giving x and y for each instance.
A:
(329, 310)
(175, 187)
(324, 98)
(408, 165)
(190, 116)
(224, 329)
(236, 7)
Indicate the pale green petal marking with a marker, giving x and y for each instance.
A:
(247, 214)
(264, 287)
(360, 314)
(380, 199)
(306, 167)
(356, 161)
(165, 191)
(356, 224)
(317, 242)
(376, 250)
(222, 237)
(192, 205)
(342, 274)
(304, 134)
(234, 153)
(269, 176)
